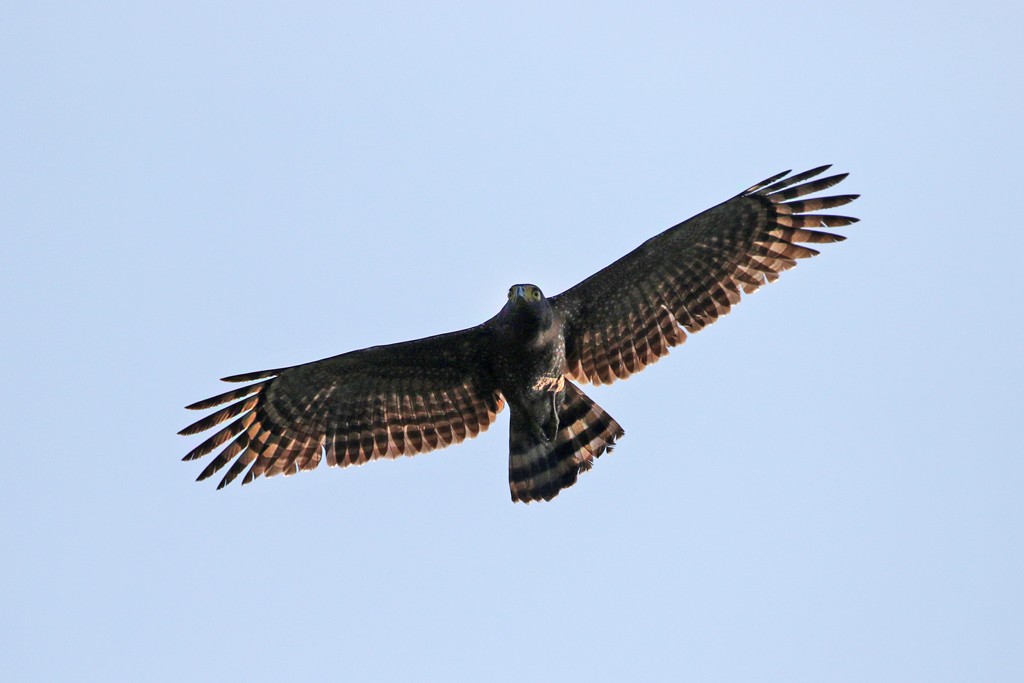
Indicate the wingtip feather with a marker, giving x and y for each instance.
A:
(252, 376)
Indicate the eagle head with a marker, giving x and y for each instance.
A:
(518, 294)
(527, 312)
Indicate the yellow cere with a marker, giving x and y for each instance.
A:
(531, 293)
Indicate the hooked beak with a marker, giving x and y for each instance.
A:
(519, 292)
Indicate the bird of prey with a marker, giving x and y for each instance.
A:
(417, 396)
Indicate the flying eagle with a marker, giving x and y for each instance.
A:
(417, 396)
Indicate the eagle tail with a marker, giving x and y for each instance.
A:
(539, 467)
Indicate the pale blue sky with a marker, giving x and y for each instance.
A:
(825, 485)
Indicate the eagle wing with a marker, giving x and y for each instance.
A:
(628, 315)
(379, 402)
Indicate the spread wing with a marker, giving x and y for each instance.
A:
(380, 402)
(628, 315)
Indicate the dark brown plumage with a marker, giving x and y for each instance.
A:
(416, 396)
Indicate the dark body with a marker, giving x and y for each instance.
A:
(555, 430)
(529, 358)
(416, 396)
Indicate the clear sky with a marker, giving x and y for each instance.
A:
(826, 485)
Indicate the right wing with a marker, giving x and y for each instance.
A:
(379, 402)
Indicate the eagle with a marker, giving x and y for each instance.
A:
(417, 396)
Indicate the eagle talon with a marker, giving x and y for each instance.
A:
(552, 384)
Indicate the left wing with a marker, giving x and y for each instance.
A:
(626, 316)
(380, 402)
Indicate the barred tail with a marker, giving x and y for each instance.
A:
(540, 468)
